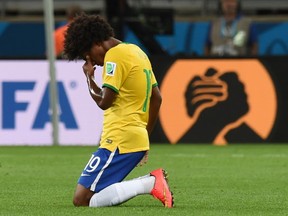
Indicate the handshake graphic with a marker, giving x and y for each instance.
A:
(215, 101)
(214, 91)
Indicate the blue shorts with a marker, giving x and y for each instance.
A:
(106, 168)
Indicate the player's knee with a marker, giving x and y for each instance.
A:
(76, 202)
(79, 201)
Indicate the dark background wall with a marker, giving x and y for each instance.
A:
(27, 39)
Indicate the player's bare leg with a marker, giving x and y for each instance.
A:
(82, 196)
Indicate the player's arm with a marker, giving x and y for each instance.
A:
(155, 103)
(103, 97)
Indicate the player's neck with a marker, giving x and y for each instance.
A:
(111, 42)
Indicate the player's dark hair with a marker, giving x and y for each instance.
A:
(83, 32)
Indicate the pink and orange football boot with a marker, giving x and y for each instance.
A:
(161, 189)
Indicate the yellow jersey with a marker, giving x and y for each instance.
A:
(128, 71)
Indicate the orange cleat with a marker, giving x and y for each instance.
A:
(161, 189)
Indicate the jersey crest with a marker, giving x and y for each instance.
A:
(110, 68)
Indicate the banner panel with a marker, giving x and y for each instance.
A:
(217, 99)
(25, 112)
(222, 100)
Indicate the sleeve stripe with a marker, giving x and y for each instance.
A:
(111, 87)
(154, 85)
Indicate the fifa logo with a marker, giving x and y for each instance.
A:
(11, 105)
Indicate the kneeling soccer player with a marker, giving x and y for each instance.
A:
(131, 99)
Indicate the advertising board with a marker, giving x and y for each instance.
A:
(25, 113)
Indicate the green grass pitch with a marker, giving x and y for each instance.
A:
(205, 179)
